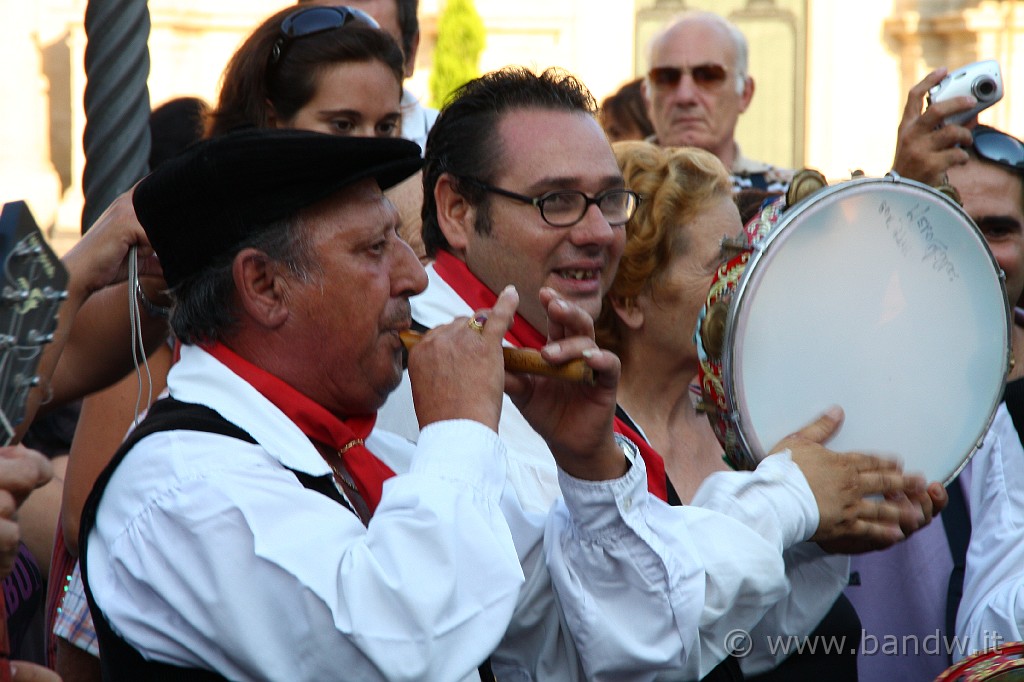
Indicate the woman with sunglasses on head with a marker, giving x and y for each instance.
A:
(326, 69)
(671, 255)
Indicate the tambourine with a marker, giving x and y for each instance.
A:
(879, 295)
(1001, 664)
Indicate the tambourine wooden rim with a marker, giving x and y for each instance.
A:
(732, 287)
(1001, 664)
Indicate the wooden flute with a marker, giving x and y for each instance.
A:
(525, 360)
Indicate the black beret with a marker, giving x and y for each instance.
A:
(197, 206)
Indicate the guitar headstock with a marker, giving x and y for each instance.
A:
(33, 283)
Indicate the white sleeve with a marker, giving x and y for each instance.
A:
(992, 607)
(648, 589)
(762, 500)
(234, 565)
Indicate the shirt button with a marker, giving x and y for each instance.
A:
(627, 503)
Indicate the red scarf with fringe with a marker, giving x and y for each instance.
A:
(347, 436)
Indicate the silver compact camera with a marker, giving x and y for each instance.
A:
(980, 79)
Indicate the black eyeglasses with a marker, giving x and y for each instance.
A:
(566, 207)
(998, 147)
(312, 20)
(705, 76)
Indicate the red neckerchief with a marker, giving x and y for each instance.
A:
(344, 435)
(522, 334)
(476, 294)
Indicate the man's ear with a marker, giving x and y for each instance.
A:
(261, 287)
(410, 59)
(748, 93)
(455, 215)
(627, 310)
(272, 121)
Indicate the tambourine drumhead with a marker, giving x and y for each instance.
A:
(882, 297)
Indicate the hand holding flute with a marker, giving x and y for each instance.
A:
(526, 361)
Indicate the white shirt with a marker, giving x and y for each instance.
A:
(208, 552)
(417, 120)
(992, 607)
(766, 502)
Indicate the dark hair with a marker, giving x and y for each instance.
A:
(626, 107)
(174, 126)
(408, 23)
(463, 140)
(204, 307)
(252, 87)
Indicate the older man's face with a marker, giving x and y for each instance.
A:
(690, 113)
(347, 318)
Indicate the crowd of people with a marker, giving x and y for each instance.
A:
(264, 482)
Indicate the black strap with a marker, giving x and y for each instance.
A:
(956, 519)
(119, 660)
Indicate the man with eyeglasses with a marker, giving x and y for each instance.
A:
(696, 89)
(522, 188)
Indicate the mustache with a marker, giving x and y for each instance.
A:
(400, 315)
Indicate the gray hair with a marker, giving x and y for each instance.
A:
(203, 307)
(732, 30)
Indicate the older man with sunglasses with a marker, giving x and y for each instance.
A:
(696, 89)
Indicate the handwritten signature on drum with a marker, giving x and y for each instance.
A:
(901, 227)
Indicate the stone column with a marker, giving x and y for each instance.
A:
(116, 136)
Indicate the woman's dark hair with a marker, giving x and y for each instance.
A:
(626, 109)
(174, 126)
(252, 87)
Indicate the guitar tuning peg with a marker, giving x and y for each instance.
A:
(28, 382)
(51, 294)
(36, 338)
(12, 295)
(27, 248)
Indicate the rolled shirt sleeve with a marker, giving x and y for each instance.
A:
(647, 588)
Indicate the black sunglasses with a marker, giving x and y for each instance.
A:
(312, 20)
(998, 147)
(705, 76)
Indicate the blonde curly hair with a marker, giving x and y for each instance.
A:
(677, 184)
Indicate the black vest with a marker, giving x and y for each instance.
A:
(118, 659)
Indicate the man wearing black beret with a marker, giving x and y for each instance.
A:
(253, 525)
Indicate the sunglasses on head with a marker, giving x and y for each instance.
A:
(998, 147)
(312, 20)
(705, 76)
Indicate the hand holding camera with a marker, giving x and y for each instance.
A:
(982, 80)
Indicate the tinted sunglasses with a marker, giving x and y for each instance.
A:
(312, 20)
(998, 147)
(705, 76)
